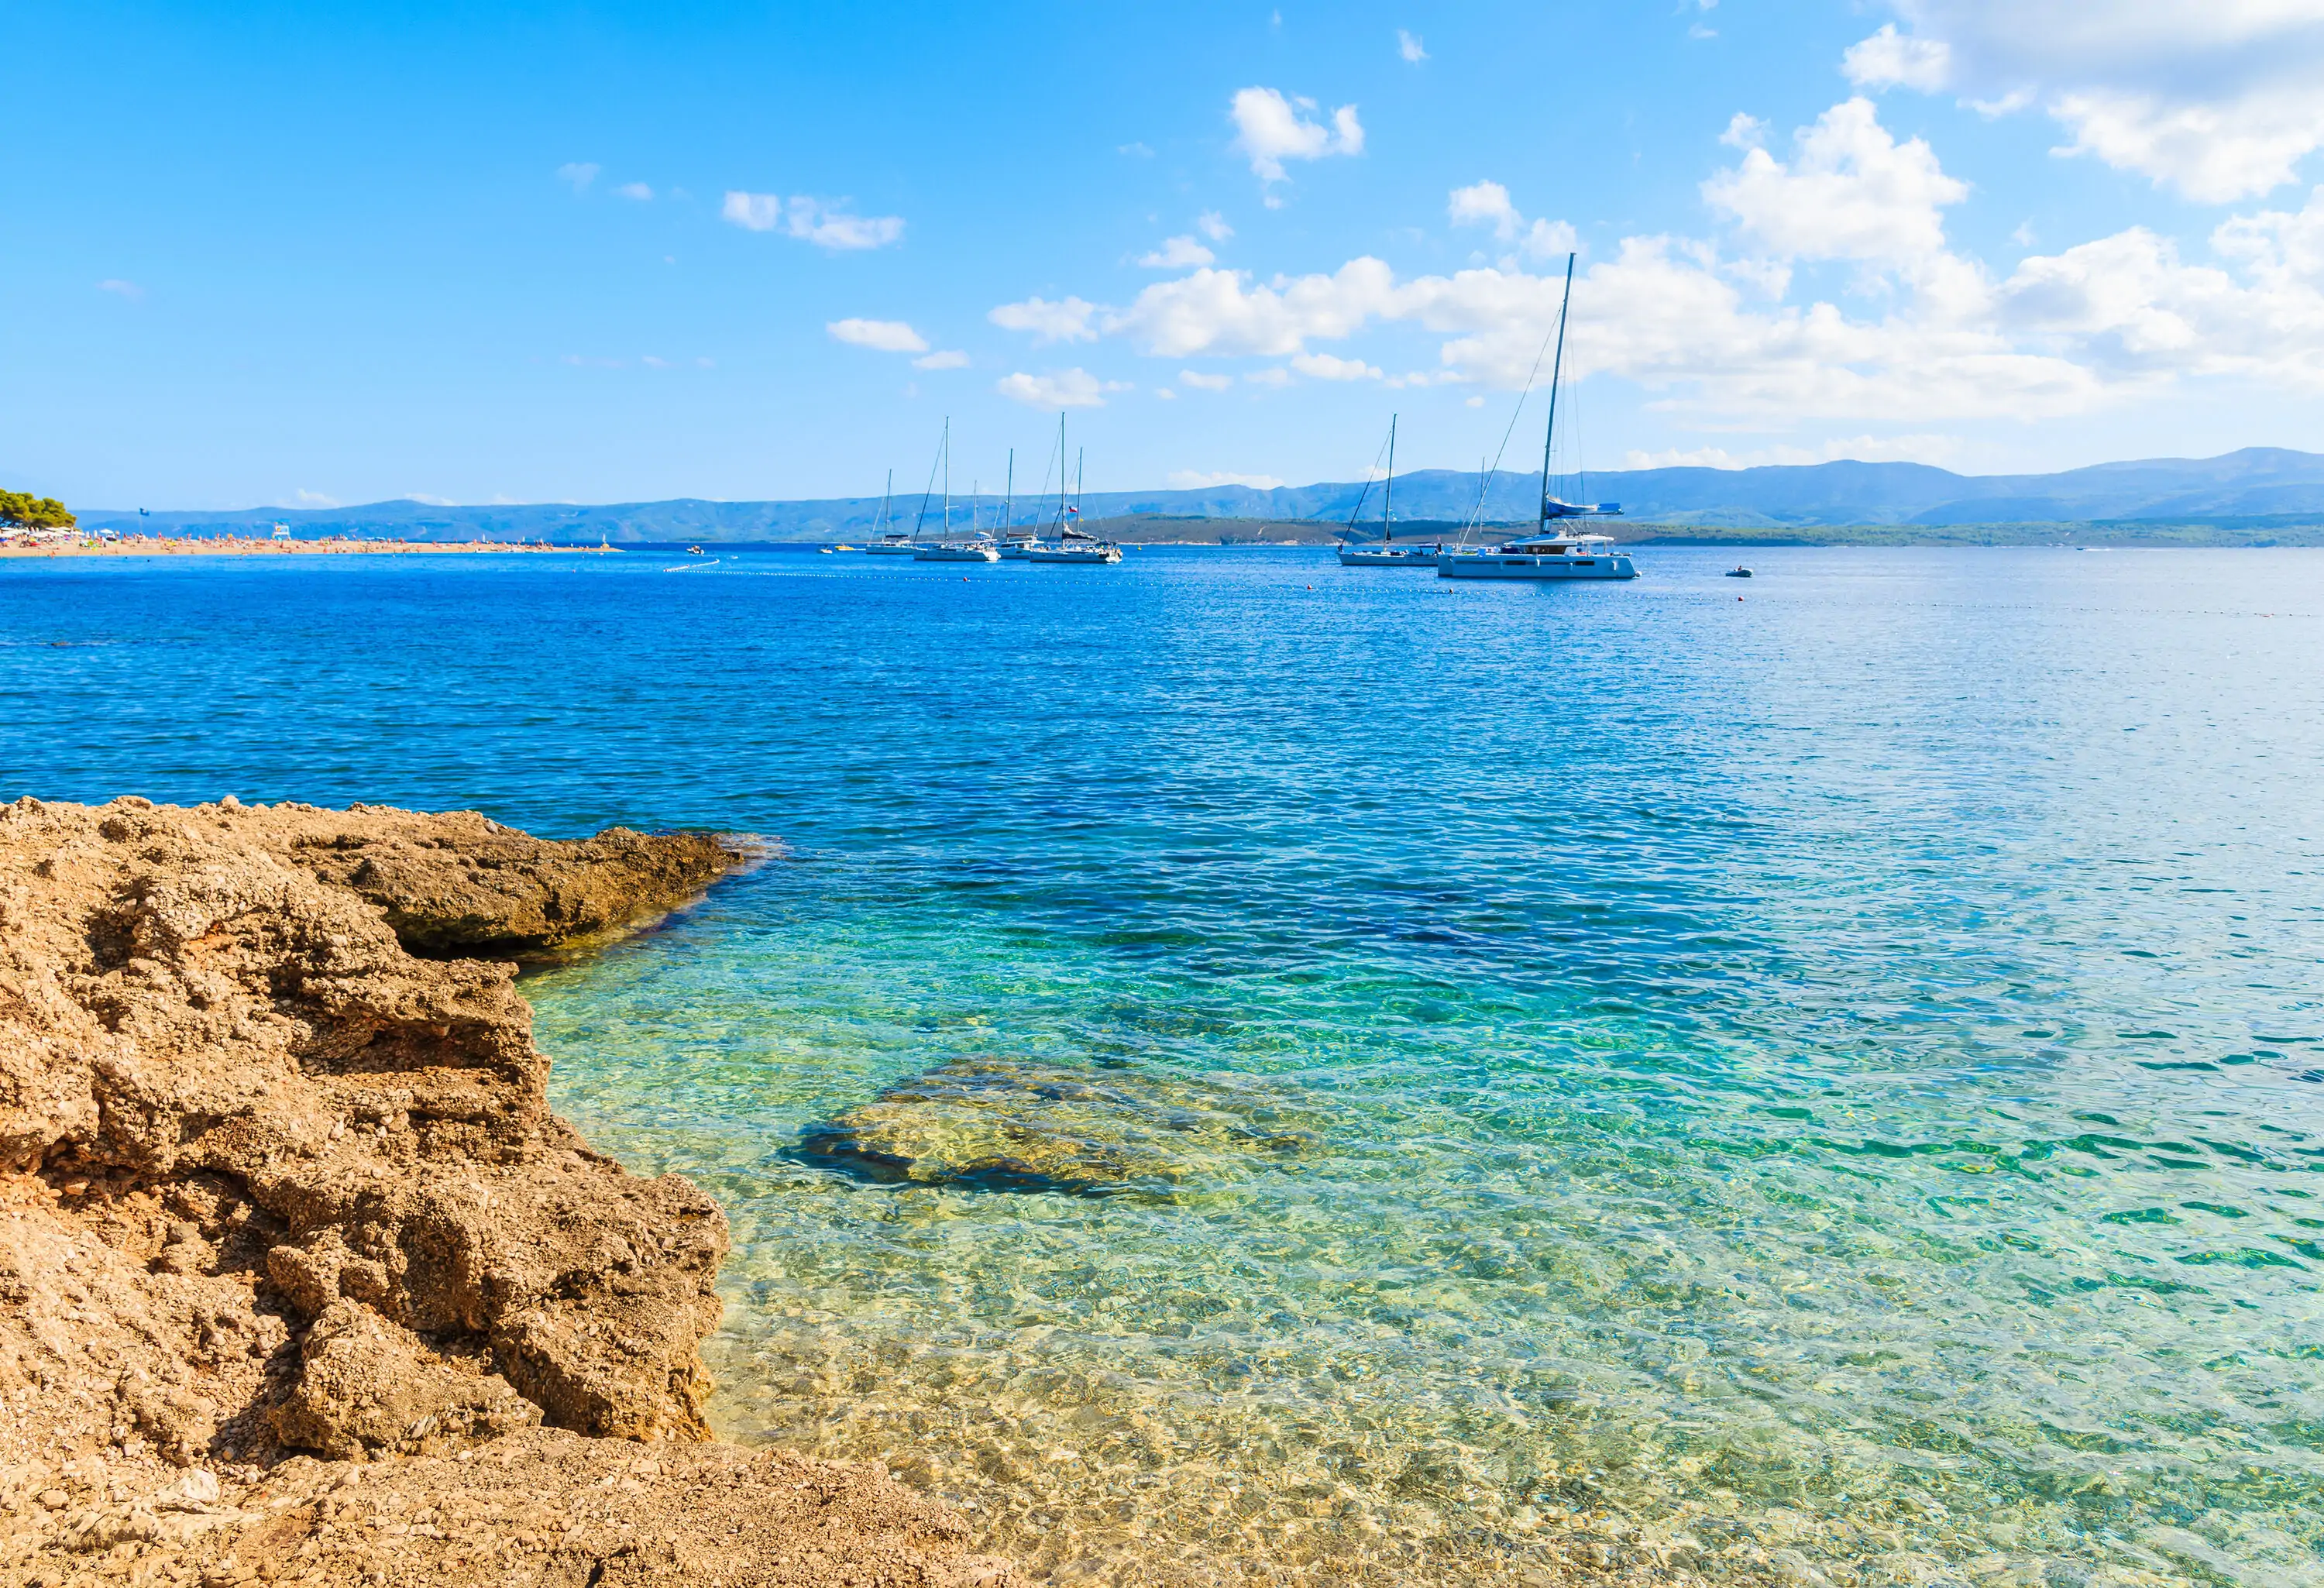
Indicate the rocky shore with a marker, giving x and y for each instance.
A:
(300, 1280)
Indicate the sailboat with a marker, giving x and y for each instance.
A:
(1016, 544)
(1387, 553)
(1071, 545)
(887, 541)
(1547, 553)
(944, 547)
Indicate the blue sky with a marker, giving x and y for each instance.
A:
(297, 254)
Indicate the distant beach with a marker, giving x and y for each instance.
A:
(246, 546)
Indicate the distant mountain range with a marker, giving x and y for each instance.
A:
(2257, 486)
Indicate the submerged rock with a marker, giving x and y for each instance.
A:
(998, 1124)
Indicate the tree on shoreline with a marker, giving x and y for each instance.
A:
(21, 510)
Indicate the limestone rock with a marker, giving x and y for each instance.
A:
(998, 1124)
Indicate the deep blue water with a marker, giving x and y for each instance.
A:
(1833, 1079)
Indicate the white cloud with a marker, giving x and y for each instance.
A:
(755, 212)
(1187, 479)
(884, 336)
(637, 190)
(306, 498)
(1069, 388)
(1488, 204)
(1203, 383)
(121, 288)
(1213, 225)
(1271, 129)
(1065, 321)
(1324, 366)
(2214, 98)
(1273, 375)
(1851, 193)
(811, 220)
(1167, 394)
(579, 173)
(949, 358)
(1890, 60)
(1484, 204)
(1177, 253)
(1408, 45)
(651, 361)
(1135, 151)
(1211, 311)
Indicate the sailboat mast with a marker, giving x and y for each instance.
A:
(948, 474)
(1387, 492)
(1557, 366)
(1079, 453)
(885, 492)
(1061, 475)
(1008, 494)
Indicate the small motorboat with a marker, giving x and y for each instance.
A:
(1738, 572)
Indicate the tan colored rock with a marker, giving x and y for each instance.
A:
(272, 1181)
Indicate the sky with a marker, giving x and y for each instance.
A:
(306, 254)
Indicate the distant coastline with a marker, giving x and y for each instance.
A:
(2256, 497)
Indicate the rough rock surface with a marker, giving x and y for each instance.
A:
(273, 1184)
(1000, 1124)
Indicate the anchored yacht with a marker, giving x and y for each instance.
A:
(1547, 553)
(1387, 553)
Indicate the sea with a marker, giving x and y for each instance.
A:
(1811, 1079)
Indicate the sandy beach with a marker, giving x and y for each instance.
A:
(241, 546)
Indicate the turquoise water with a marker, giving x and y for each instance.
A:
(1822, 1084)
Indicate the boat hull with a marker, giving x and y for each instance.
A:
(955, 554)
(889, 550)
(1497, 565)
(1110, 554)
(1374, 557)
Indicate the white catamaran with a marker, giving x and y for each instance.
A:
(1547, 553)
(1387, 553)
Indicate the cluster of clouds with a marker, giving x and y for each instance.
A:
(2213, 102)
(825, 224)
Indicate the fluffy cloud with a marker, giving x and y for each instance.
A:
(1890, 60)
(578, 175)
(1851, 193)
(1213, 225)
(1271, 129)
(2215, 98)
(1045, 322)
(949, 358)
(1488, 204)
(637, 190)
(121, 288)
(1324, 366)
(1177, 253)
(1407, 44)
(1213, 311)
(1065, 388)
(811, 220)
(1203, 383)
(885, 335)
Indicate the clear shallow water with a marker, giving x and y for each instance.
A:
(1828, 1082)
